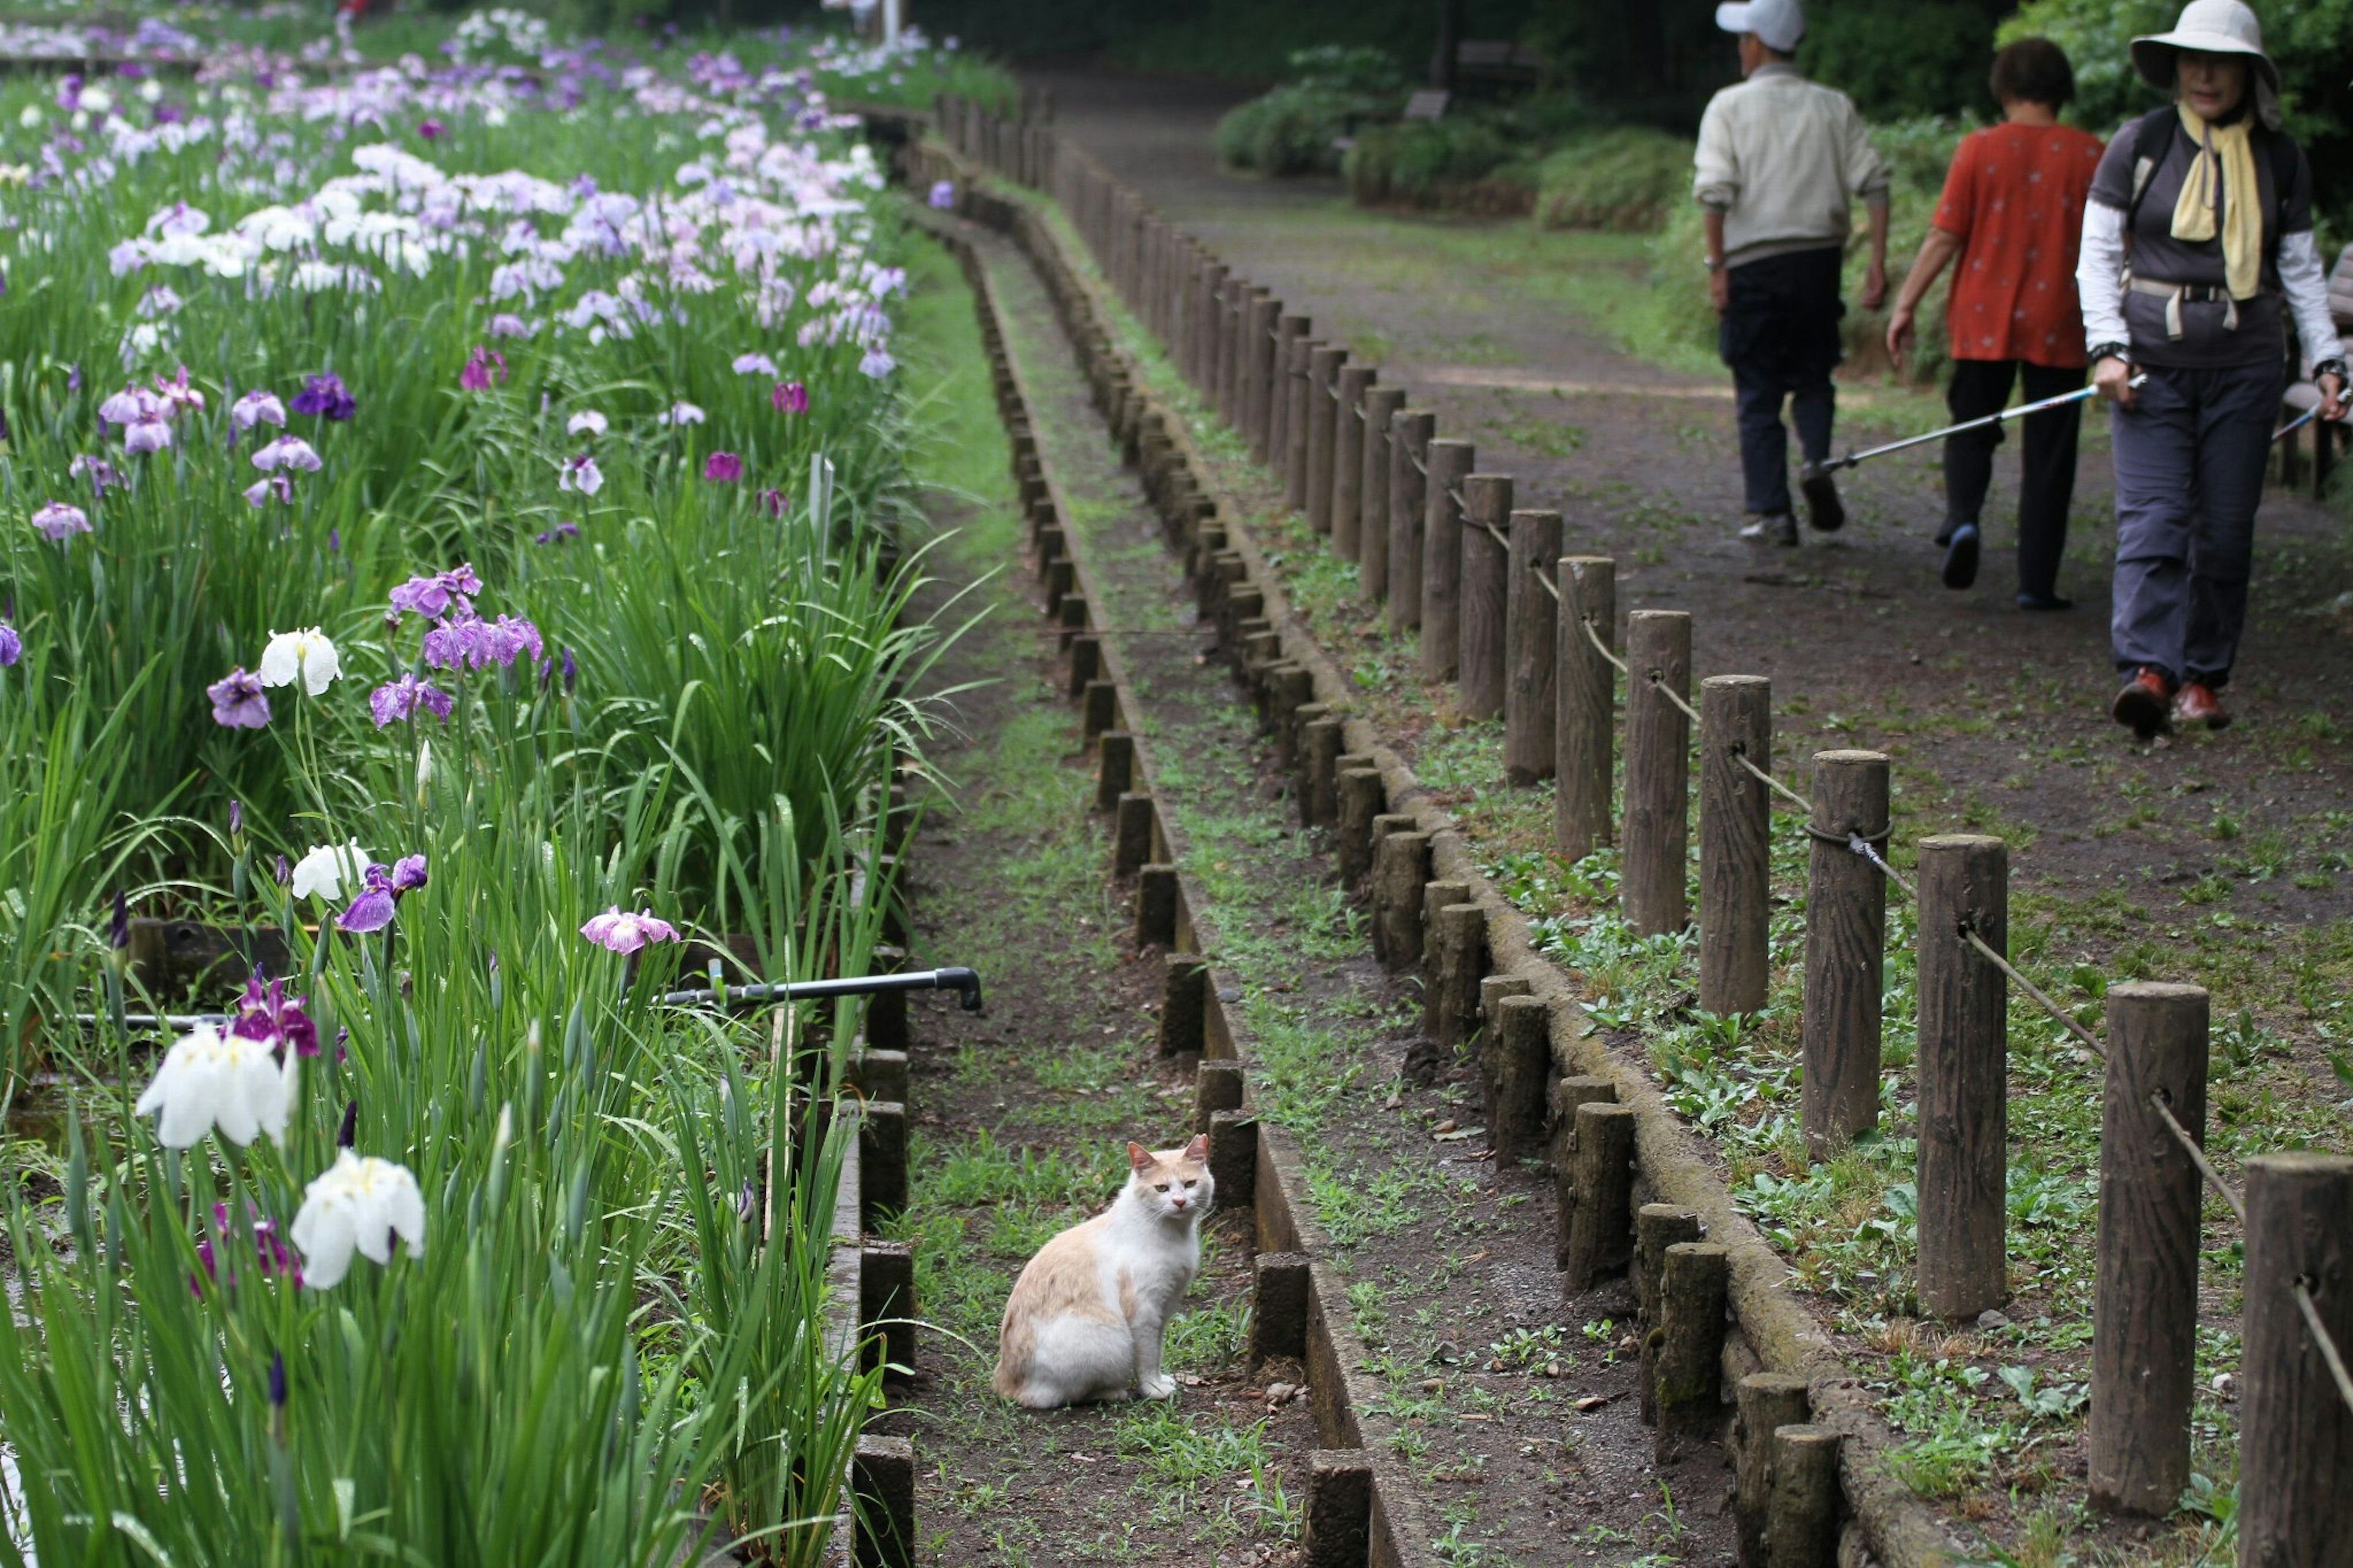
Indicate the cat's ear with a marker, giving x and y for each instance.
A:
(1141, 1158)
(1198, 1149)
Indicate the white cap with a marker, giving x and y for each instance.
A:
(1778, 24)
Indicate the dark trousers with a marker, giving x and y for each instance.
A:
(1980, 387)
(2190, 472)
(1780, 336)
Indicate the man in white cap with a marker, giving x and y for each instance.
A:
(1780, 158)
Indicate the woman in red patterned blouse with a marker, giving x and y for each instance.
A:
(2013, 212)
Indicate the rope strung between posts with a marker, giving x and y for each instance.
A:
(2197, 1158)
(2083, 1035)
(1861, 846)
(1776, 785)
(1419, 466)
(1663, 689)
(2319, 1332)
(1595, 637)
(1537, 567)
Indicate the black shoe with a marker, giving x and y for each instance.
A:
(1772, 527)
(1961, 557)
(1945, 534)
(2044, 602)
(1823, 508)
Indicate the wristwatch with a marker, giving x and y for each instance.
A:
(1711, 263)
(2332, 367)
(2111, 351)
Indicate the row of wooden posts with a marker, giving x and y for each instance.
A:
(1526, 632)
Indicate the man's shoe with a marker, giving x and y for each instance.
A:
(2146, 703)
(1823, 508)
(1945, 534)
(1772, 527)
(2195, 706)
(2044, 602)
(1961, 557)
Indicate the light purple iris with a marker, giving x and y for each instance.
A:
(239, 702)
(434, 597)
(61, 522)
(257, 407)
(789, 397)
(371, 911)
(287, 452)
(267, 1014)
(327, 396)
(625, 933)
(130, 406)
(178, 395)
(261, 491)
(507, 324)
(582, 474)
(12, 646)
(482, 367)
(146, 437)
(101, 472)
(723, 468)
(877, 362)
(943, 194)
(472, 643)
(407, 874)
(400, 700)
(756, 364)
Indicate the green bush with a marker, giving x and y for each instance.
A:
(1627, 178)
(1923, 56)
(1297, 129)
(1440, 162)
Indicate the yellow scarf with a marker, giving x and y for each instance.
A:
(2225, 154)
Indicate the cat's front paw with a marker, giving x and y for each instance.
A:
(1160, 1387)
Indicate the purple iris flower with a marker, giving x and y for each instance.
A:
(236, 817)
(407, 874)
(276, 1261)
(724, 468)
(558, 534)
(268, 1016)
(571, 669)
(325, 395)
(101, 472)
(61, 522)
(789, 397)
(482, 367)
(436, 596)
(146, 437)
(431, 130)
(400, 700)
(469, 642)
(238, 700)
(507, 324)
(260, 493)
(12, 646)
(773, 501)
(625, 933)
(371, 911)
(943, 194)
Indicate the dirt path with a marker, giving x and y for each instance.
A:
(1510, 1407)
(1995, 718)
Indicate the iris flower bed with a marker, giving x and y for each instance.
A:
(447, 528)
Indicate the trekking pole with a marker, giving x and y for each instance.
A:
(1832, 464)
(2298, 423)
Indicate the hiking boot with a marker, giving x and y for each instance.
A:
(2146, 703)
(1823, 508)
(2027, 601)
(1961, 557)
(1772, 527)
(2195, 706)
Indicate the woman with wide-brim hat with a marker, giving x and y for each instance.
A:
(2197, 249)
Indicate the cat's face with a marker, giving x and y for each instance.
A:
(1174, 1184)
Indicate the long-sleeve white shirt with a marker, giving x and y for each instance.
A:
(1781, 158)
(2100, 285)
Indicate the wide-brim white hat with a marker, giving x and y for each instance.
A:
(2210, 26)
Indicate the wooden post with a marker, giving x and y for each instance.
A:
(1410, 431)
(1086, 664)
(1233, 1157)
(1258, 374)
(1962, 1063)
(1183, 1003)
(1436, 895)
(1451, 1011)
(1580, 812)
(1563, 1099)
(1300, 392)
(1381, 405)
(1339, 1509)
(1766, 1401)
(1692, 1288)
(1290, 687)
(1362, 796)
(1846, 952)
(2296, 1434)
(1217, 1086)
(1658, 772)
(2144, 1304)
(1348, 460)
(1658, 1226)
(881, 1162)
(1400, 868)
(1802, 1522)
(1442, 558)
(886, 1305)
(1601, 1227)
(1323, 422)
(1114, 769)
(1735, 720)
(1288, 331)
(1099, 709)
(1531, 658)
(1319, 758)
(1281, 1301)
(1132, 840)
(883, 1475)
(1485, 585)
(1522, 1052)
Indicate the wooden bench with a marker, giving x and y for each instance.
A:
(2328, 439)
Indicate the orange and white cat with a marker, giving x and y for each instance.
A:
(1086, 1317)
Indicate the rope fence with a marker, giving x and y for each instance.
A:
(1692, 747)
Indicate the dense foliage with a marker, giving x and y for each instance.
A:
(1301, 127)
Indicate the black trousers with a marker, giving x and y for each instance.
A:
(1980, 387)
(1780, 334)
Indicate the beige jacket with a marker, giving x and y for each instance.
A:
(1780, 157)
